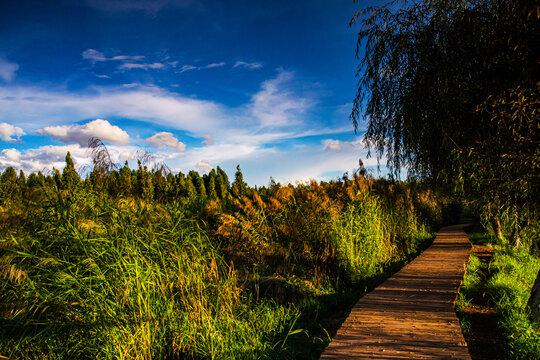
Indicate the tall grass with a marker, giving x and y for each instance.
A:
(127, 287)
(88, 274)
(510, 277)
(509, 288)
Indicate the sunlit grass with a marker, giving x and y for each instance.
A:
(509, 288)
(85, 274)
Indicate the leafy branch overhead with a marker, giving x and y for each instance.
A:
(449, 90)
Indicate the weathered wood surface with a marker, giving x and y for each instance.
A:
(411, 315)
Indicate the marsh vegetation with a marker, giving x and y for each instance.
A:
(149, 264)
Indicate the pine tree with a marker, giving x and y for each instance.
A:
(239, 187)
(222, 183)
(8, 184)
(124, 180)
(70, 178)
(191, 191)
(146, 187)
(212, 194)
(201, 189)
(181, 186)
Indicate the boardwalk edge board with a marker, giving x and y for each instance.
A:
(411, 315)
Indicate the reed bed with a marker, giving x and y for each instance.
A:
(98, 269)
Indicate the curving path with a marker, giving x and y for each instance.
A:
(411, 315)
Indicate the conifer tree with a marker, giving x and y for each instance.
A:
(191, 191)
(8, 184)
(212, 194)
(181, 186)
(201, 189)
(70, 178)
(171, 190)
(146, 186)
(222, 183)
(239, 187)
(124, 180)
(33, 180)
(57, 177)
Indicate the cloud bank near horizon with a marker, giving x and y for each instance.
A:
(252, 133)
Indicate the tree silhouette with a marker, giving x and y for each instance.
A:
(450, 90)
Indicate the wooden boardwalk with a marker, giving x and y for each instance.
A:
(411, 315)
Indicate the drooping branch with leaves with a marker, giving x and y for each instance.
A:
(449, 90)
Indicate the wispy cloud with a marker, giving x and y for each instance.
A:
(128, 62)
(275, 104)
(143, 103)
(8, 130)
(167, 140)
(204, 165)
(208, 140)
(129, 66)
(330, 144)
(338, 145)
(98, 56)
(7, 69)
(188, 68)
(247, 65)
(209, 66)
(214, 65)
(252, 133)
(45, 158)
(80, 134)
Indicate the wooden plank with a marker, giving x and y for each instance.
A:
(411, 315)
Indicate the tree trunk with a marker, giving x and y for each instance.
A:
(515, 237)
(496, 225)
(534, 300)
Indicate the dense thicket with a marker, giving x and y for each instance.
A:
(139, 263)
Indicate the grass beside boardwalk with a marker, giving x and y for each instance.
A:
(128, 290)
(511, 274)
(163, 269)
(514, 272)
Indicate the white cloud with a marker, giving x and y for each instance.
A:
(129, 66)
(204, 165)
(128, 62)
(94, 55)
(247, 65)
(250, 134)
(214, 65)
(209, 66)
(80, 134)
(330, 144)
(187, 68)
(11, 154)
(126, 155)
(127, 58)
(43, 158)
(8, 130)
(166, 140)
(208, 140)
(7, 69)
(275, 105)
(30, 106)
(97, 56)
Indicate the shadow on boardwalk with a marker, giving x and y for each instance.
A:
(411, 315)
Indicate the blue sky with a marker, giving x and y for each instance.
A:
(264, 84)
